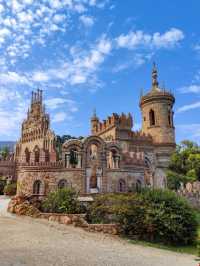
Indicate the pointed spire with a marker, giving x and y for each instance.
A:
(94, 116)
(154, 77)
(94, 112)
(31, 97)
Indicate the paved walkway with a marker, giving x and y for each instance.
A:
(31, 242)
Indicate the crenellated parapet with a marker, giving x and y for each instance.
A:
(122, 121)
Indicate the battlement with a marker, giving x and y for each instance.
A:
(140, 136)
(122, 121)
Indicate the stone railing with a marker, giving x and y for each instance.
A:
(58, 164)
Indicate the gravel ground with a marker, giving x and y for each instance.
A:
(30, 242)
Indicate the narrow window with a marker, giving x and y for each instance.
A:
(37, 187)
(152, 118)
(122, 186)
(169, 118)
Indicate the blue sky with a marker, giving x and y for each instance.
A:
(88, 54)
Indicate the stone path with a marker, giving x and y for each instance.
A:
(30, 242)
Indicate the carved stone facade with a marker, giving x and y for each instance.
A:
(113, 159)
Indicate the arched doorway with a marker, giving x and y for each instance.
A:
(122, 185)
(62, 184)
(37, 187)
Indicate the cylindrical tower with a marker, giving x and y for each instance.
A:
(157, 113)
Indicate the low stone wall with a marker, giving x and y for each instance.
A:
(21, 206)
(75, 219)
(191, 192)
(112, 229)
(79, 220)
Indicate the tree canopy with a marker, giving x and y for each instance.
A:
(4, 152)
(184, 165)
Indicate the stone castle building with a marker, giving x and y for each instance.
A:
(112, 159)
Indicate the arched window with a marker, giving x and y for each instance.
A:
(152, 118)
(62, 183)
(47, 156)
(122, 185)
(138, 185)
(73, 158)
(169, 119)
(113, 159)
(37, 187)
(27, 155)
(37, 154)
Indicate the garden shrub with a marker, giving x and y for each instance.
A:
(10, 189)
(152, 215)
(2, 185)
(171, 219)
(63, 200)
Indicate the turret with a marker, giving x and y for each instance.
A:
(94, 123)
(157, 112)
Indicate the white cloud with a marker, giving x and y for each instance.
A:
(189, 131)
(80, 69)
(190, 89)
(59, 117)
(87, 20)
(40, 76)
(188, 107)
(54, 103)
(13, 78)
(135, 39)
(197, 48)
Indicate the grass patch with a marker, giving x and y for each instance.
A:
(180, 249)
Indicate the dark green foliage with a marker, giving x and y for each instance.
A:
(63, 200)
(153, 215)
(10, 189)
(2, 185)
(73, 158)
(4, 152)
(184, 165)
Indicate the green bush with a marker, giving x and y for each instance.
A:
(10, 189)
(2, 185)
(153, 215)
(63, 200)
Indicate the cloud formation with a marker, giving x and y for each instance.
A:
(136, 39)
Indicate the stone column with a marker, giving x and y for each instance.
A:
(79, 165)
(67, 164)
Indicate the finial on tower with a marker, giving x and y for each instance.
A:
(94, 112)
(154, 77)
(94, 115)
(141, 92)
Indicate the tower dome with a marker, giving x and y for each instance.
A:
(157, 112)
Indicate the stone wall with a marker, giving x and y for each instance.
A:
(79, 220)
(191, 191)
(7, 169)
(49, 178)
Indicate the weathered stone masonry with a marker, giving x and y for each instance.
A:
(113, 159)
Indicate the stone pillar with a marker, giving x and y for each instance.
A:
(79, 165)
(42, 156)
(67, 164)
(117, 162)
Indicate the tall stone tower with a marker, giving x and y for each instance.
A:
(157, 113)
